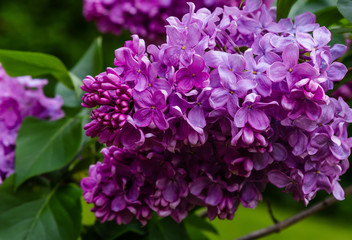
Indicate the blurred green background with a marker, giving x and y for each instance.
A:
(57, 27)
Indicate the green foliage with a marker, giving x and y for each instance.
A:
(17, 63)
(167, 229)
(200, 223)
(345, 7)
(44, 146)
(39, 212)
(328, 16)
(92, 61)
(283, 8)
(112, 231)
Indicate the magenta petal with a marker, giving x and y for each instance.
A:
(162, 84)
(258, 119)
(141, 82)
(248, 136)
(338, 192)
(143, 99)
(247, 25)
(305, 70)
(198, 185)
(277, 72)
(336, 71)
(305, 123)
(243, 86)
(309, 182)
(299, 142)
(159, 120)
(214, 58)
(322, 36)
(170, 193)
(278, 178)
(340, 151)
(304, 18)
(305, 40)
(215, 195)
(159, 100)
(185, 85)
(228, 78)
(118, 203)
(279, 152)
(143, 117)
(312, 110)
(196, 117)
(241, 117)
(219, 97)
(232, 105)
(290, 55)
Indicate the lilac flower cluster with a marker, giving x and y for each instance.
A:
(21, 97)
(232, 101)
(344, 91)
(143, 17)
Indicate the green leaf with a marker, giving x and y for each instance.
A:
(195, 234)
(283, 8)
(72, 98)
(345, 7)
(88, 217)
(200, 223)
(38, 212)
(328, 16)
(92, 61)
(167, 229)
(17, 63)
(44, 146)
(110, 230)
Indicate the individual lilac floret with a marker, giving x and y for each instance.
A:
(21, 97)
(230, 102)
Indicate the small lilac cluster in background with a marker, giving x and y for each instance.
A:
(21, 97)
(344, 91)
(146, 18)
(231, 102)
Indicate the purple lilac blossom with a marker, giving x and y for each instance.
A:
(21, 97)
(215, 113)
(146, 18)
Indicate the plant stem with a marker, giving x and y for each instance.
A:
(277, 227)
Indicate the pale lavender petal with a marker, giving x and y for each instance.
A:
(304, 18)
(305, 40)
(336, 71)
(290, 55)
(243, 86)
(241, 117)
(338, 191)
(196, 117)
(277, 72)
(219, 97)
(322, 36)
